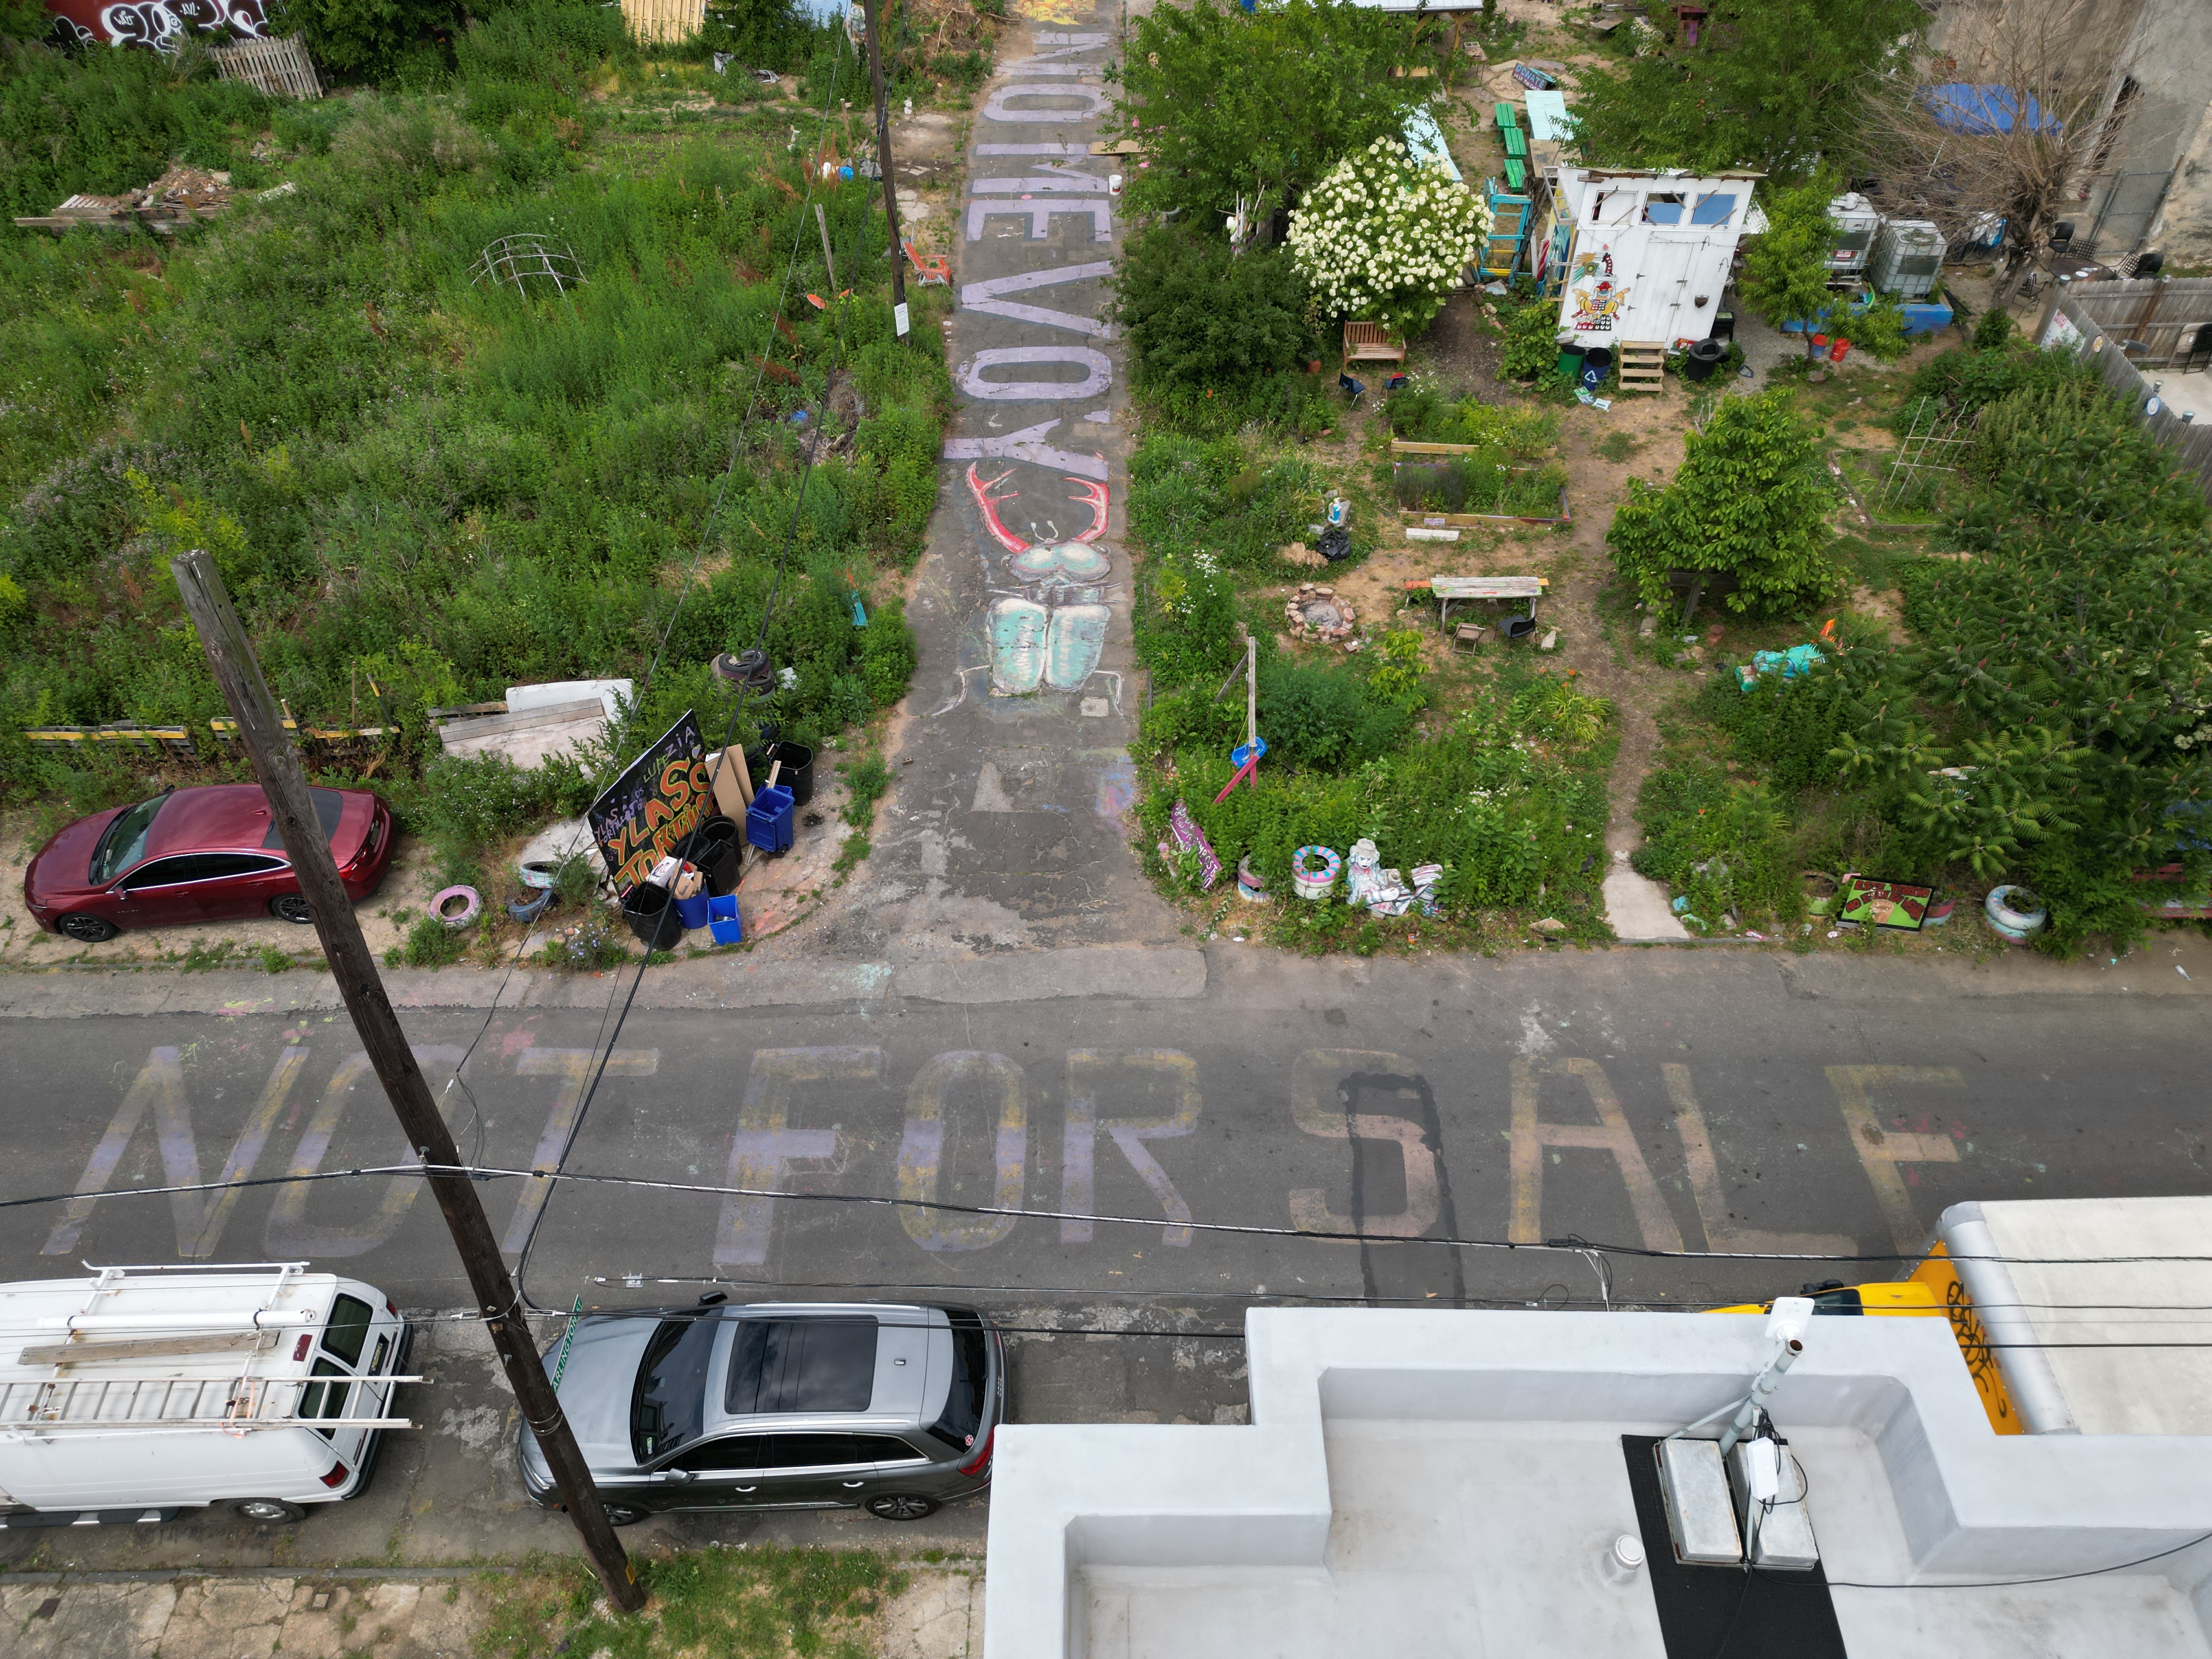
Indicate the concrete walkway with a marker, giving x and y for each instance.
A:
(1006, 829)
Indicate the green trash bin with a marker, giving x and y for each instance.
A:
(1571, 359)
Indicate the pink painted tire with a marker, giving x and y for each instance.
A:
(472, 906)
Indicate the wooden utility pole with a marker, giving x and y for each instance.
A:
(276, 765)
(873, 11)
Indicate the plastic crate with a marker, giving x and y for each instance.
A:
(769, 819)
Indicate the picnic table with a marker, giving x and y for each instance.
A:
(1450, 590)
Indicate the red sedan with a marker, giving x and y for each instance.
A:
(201, 854)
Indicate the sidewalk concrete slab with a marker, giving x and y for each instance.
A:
(1637, 907)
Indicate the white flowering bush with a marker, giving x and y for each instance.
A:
(1383, 238)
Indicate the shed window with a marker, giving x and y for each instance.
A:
(1714, 208)
(1664, 211)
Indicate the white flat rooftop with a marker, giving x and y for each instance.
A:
(1447, 1483)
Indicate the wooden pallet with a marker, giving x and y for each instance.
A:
(1642, 364)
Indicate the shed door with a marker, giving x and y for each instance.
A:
(1659, 298)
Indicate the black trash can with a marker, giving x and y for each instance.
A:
(1704, 357)
(718, 850)
(798, 773)
(651, 914)
(1723, 324)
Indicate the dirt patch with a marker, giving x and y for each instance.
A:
(1460, 349)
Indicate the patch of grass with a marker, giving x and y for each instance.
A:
(429, 943)
(749, 1604)
(601, 941)
(274, 961)
(200, 958)
(1617, 446)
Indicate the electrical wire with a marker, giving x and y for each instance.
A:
(1994, 1583)
(618, 741)
(814, 445)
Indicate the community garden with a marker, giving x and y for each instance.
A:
(425, 479)
(1983, 672)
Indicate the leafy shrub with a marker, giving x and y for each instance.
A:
(1201, 318)
(1751, 499)
(367, 41)
(429, 943)
(1965, 381)
(1994, 330)
(1385, 237)
(1724, 844)
(1531, 346)
(1790, 727)
(1326, 717)
(887, 653)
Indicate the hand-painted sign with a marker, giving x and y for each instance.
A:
(1884, 903)
(649, 810)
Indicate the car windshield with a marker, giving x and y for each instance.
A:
(801, 1365)
(669, 1407)
(124, 841)
(963, 1415)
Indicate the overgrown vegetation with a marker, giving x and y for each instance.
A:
(2046, 723)
(421, 487)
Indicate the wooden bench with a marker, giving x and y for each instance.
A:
(1370, 343)
(1450, 590)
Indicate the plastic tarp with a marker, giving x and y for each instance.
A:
(1426, 140)
(1964, 107)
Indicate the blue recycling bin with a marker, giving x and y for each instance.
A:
(769, 819)
(724, 923)
(694, 910)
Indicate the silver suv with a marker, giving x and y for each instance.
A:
(779, 1405)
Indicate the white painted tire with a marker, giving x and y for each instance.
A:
(2017, 924)
(1315, 884)
(472, 906)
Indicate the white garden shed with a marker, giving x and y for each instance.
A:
(1646, 253)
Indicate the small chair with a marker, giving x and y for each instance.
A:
(935, 268)
(1469, 636)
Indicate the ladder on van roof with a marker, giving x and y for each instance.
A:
(113, 1403)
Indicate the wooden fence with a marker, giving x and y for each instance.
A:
(2158, 318)
(281, 68)
(664, 22)
(2067, 321)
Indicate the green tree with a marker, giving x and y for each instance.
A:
(1771, 84)
(1199, 317)
(1231, 104)
(1751, 500)
(365, 39)
(1785, 271)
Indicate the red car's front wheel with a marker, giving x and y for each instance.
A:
(86, 929)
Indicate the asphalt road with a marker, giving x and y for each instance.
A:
(1692, 1104)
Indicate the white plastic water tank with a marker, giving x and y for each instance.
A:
(1907, 257)
(1857, 223)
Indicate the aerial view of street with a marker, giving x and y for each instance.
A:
(1033, 827)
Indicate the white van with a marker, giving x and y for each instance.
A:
(144, 1391)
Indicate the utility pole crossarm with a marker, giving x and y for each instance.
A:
(276, 765)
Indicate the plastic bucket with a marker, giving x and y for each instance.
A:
(798, 773)
(1571, 359)
(1837, 352)
(651, 916)
(1703, 358)
(1598, 363)
(719, 851)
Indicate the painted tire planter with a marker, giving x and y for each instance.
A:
(530, 908)
(2015, 913)
(472, 906)
(1309, 883)
(1249, 887)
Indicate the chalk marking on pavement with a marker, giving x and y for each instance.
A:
(765, 1146)
(996, 108)
(1611, 1133)
(200, 1218)
(1310, 1211)
(1721, 1232)
(289, 1234)
(1100, 212)
(1881, 1151)
(574, 1067)
(1027, 445)
(921, 1149)
(1079, 1142)
(986, 297)
(1098, 368)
